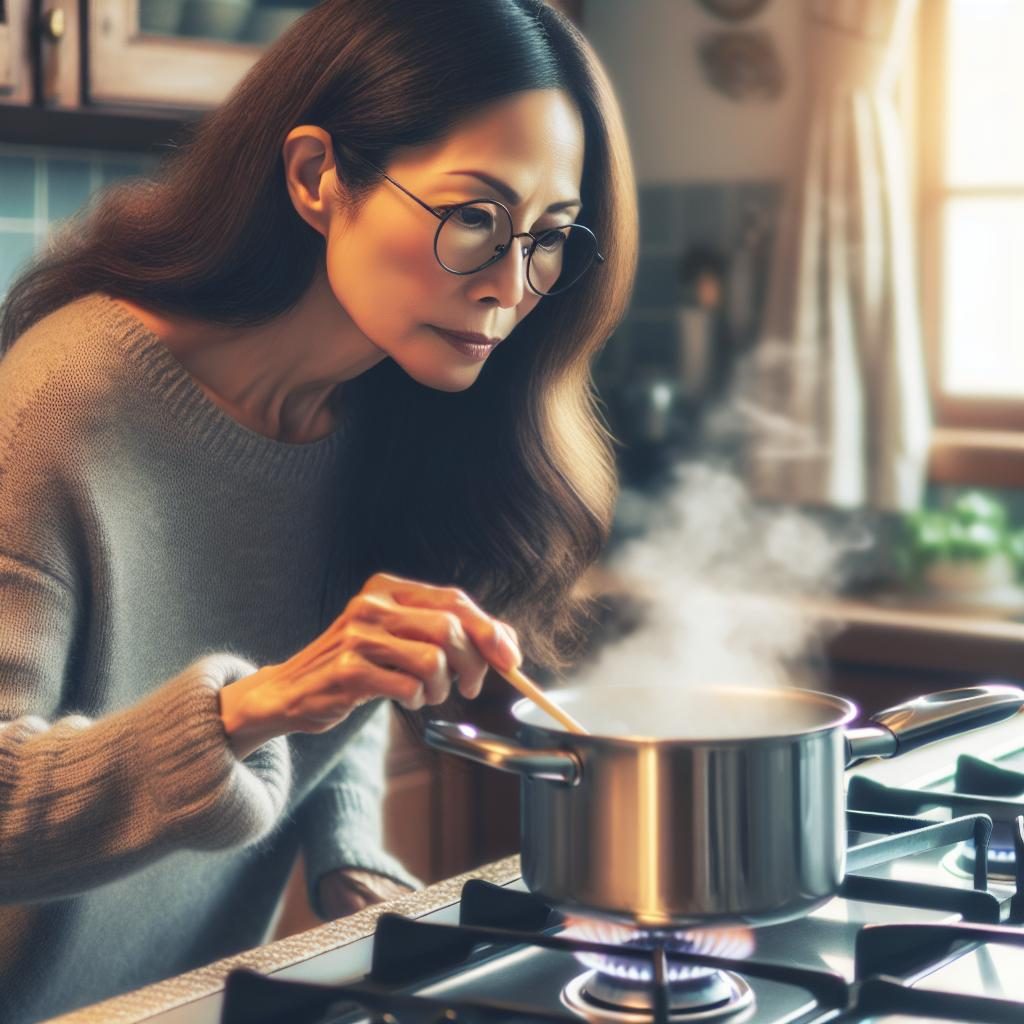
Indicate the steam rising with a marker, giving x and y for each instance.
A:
(725, 585)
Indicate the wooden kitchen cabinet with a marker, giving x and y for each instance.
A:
(89, 73)
(175, 55)
(131, 74)
(15, 56)
(428, 823)
(442, 815)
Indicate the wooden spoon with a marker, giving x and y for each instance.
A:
(533, 692)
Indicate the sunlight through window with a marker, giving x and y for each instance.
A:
(983, 215)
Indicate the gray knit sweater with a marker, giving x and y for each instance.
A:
(153, 550)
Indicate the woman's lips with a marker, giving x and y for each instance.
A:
(472, 349)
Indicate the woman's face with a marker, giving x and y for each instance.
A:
(380, 262)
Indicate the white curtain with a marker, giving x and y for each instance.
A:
(837, 382)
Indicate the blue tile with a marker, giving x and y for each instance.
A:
(763, 195)
(656, 214)
(17, 186)
(116, 170)
(653, 342)
(16, 248)
(758, 202)
(67, 187)
(703, 215)
(656, 286)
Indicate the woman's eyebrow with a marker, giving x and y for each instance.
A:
(510, 195)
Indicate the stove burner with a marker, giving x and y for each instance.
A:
(976, 776)
(718, 996)
(735, 943)
(620, 989)
(1001, 862)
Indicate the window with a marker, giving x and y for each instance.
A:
(971, 105)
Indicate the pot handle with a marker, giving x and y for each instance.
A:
(498, 752)
(934, 717)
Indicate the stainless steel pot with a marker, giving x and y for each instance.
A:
(700, 806)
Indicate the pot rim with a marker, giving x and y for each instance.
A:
(845, 712)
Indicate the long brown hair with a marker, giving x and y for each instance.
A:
(505, 489)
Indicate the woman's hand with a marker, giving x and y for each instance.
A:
(347, 890)
(396, 638)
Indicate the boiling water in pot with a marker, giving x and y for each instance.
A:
(719, 713)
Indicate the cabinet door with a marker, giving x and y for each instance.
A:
(177, 53)
(15, 60)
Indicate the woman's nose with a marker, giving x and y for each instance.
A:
(505, 279)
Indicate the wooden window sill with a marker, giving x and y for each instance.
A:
(987, 458)
(942, 642)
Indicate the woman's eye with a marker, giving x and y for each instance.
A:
(467, 216)
(474, 218)
(551, 241)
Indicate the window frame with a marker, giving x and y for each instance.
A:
(976, 440)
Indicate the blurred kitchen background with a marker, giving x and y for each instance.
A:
(828, 312)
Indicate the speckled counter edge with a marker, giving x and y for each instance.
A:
(165, 995)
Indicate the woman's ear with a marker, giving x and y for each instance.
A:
(310, 174)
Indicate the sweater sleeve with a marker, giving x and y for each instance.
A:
(341, 821)
(84, 801)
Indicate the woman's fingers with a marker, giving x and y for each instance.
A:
(442, 628)
(403, 640)
(427, 662)
(495, 643)
(397, 638)
(350, 680)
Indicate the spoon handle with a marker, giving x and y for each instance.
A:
(533, 692)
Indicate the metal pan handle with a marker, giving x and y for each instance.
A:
(498, 752)
(934, 717)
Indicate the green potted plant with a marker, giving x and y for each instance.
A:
(969, 552)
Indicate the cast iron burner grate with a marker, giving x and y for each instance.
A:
(980, 787)
(889, 954)
(977, 776)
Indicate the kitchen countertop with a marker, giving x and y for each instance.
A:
(875, 633)
(165, 995)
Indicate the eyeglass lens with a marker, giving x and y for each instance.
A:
(472, 236)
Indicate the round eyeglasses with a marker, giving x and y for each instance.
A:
(476, 234)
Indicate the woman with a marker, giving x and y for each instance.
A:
(248, 477)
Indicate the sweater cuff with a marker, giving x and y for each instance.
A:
(208, 797)
(356, 845)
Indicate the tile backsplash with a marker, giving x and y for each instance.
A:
(674, 218)
(41, 185)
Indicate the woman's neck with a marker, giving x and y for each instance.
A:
(277, 378)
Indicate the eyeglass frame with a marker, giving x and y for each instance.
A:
(444, 217)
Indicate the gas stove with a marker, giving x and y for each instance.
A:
(929, 925)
